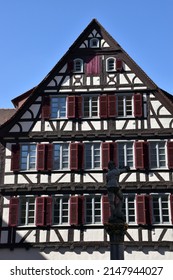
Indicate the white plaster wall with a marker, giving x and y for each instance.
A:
(37, 126)
(9, 179)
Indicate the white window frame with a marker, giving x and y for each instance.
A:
(78, 65)
(61, 209)
(160, 204)
(93, 149)
(125, 96)
(26, 160)
(108, 66)
(58, 109)
(92, 45)
(61, 156)
(90, 106)
(27, 210)
(127, 208)
(125, 153)
(157, 162)
(92, 201)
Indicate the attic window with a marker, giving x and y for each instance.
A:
(94, 43)
(110, 64)
(78, 65)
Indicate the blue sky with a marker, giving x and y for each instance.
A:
(35, 34)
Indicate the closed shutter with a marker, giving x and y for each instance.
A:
(141, 209)
(74, 210)
(45, 113)
(138, 106)
(49, 156)
(105, 209)
(170, 154)
(40, 211)
(112, 112)
(103, 106)
(171, 207)
(48, 211)
(93, 65)
(71, 107)
(13, 211)
(15, 159)
(119, 65)
(41, 156)
(70, 66)
(141, 155)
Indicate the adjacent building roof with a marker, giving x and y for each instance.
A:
(6, 114)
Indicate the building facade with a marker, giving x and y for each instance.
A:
(95, 105)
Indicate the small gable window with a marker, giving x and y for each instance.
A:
(78, 65)
(110, 64)
(94, 43)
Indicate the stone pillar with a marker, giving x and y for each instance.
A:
(116, 233)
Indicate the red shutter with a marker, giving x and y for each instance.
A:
(13, 211)
(114, 152)
(141, 209)
(71, 107)
(74, 156)
(170, 154)
(49, 156)
(119, 64)
(171, 205)
(141, 155)
(80, 155)
(138, 106)
(105, 209)
(105, 155)
(45, 108)
(48, 210)
(41, 154)
(15, 159)
(93, 65)
(103, 106)
(112, 112)
(70, 65)
(74, 210)
(40, 211)
(79, 106)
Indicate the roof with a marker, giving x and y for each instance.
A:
(6, 114)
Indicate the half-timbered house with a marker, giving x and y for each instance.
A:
(95, 105)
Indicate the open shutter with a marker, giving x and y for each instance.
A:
(76, 156)
(112, 112)
(138, 106)
(48, 210)
(70, 66)
(105, 155)
(40, 211)
(171, 207)
(45, 108)
(41, 156)
(93, 65)
(15, 159)
(114, 153)
(148, 207)
(78, 106)
(119, 65)
(170, 154)
(141, 155)
(141, 209)
(76, 210)
(105, 209)
(103, 106)
(71, 107)
(49, 156)
(13, 211)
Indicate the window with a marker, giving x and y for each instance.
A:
(125, 107)
(110, 64)
(61, 156)
(160, 208)
(157, 154)
(28, 157)
(125, 154)
(129, 208)
(92, 156)
(58, 107)
(61, 210)
(78, 65)
(93, 209)
(27, 211)
(94, 43)
(90, 106)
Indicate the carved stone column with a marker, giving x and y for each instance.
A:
(116, 233)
